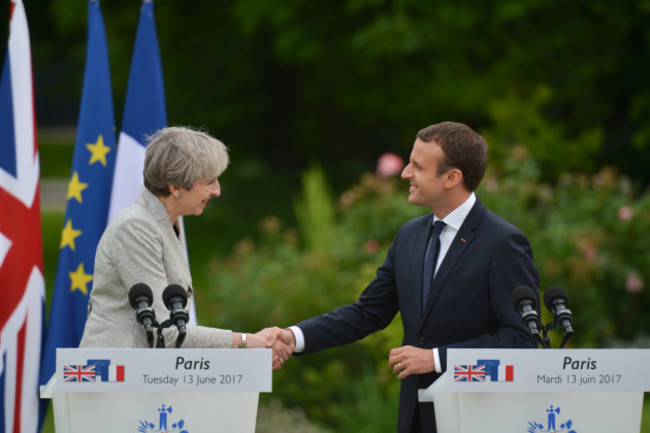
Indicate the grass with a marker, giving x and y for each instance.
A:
(56, 160)
(52, 224)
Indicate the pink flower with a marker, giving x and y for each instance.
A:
(371, 246)
(389, 165)
(588, 249)
(633, 283)
(625, 213)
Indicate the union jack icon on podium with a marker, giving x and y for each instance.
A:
(485, 370)
(469, 373)
(78, 373)
(95, 370)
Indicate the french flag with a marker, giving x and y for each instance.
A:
(145, 112)
(116, 373)
(106, 371)
(506, 373)
(497, 372)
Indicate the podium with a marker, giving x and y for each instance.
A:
(535, 391)
(149, 390)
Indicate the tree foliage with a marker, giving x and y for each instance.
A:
(285, 81)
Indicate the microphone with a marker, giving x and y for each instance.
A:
(523, 299)
(175, 299)
(141, 298)
(557, 302)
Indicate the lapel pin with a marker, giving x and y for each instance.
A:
(463, 240)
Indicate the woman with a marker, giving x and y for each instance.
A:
(145, 244)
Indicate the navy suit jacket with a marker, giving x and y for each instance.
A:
(469, 305)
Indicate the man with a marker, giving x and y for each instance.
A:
(461, 299)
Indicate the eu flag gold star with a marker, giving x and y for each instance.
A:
(98, 151)
(68, 235)
(79, 279)
(75, 187)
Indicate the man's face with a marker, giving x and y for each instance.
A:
(426, 187)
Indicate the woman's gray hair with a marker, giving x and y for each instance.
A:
(180, 156)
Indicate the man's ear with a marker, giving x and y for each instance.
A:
(453, 177)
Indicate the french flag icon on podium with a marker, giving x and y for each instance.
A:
(495, 372)
(107, 372)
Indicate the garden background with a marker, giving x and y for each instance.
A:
(308, 95)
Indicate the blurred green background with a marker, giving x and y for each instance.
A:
(308, 95)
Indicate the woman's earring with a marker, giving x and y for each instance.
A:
(178, 195)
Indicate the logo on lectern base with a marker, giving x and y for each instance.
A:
(164, 424)
(553, 425)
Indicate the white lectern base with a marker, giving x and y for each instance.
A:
(158, 391)
(498, 412)
(154, 412)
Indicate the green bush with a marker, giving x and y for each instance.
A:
(589, 235)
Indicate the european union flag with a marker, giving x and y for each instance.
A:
(101, 367)
(491, 368)
(88, 196)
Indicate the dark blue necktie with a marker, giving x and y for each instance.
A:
(430, 260)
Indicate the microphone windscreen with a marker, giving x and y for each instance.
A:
(553, 293)
(522, 293)
(138, 291)
(174, 291)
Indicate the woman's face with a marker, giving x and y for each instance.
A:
(194, 200)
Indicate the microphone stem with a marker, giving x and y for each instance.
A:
(181, 337)
(161, 338)
(565, 339)
(150, 336)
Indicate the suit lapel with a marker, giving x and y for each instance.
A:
(157, 210)
(463, 238)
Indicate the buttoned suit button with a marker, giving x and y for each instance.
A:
(421, 341)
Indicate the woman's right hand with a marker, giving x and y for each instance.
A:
(271, 338)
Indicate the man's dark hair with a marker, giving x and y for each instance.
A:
(464, 149)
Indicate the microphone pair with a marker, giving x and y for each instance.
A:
(174, 298)
(556, 301)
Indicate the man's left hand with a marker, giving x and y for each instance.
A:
(408, 360)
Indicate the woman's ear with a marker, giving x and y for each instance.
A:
(175, 190)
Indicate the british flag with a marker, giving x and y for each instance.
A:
(79, 373)
(469, 373)
(21, 253)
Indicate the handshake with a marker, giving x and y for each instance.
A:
(282, 341)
